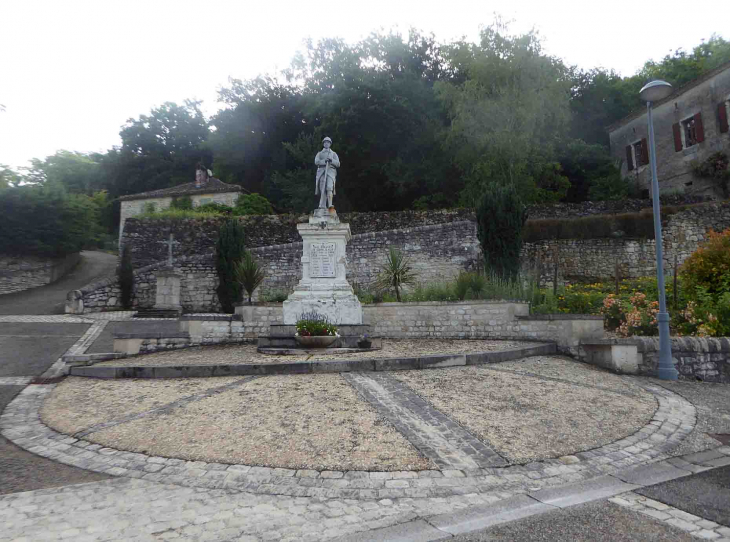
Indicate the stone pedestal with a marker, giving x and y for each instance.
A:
(324, 288)
(168, 291)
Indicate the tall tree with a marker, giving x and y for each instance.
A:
(509, 112)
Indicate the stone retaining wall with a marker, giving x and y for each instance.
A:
(25, 272)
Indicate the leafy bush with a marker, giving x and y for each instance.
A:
(312, 324)
(126, 277)
(214, 208)
(180, 214)
(184, 203)
(470, 286)
(252, 204)
(249, 274)
(633, 225)
(715, 167)
(501, 217)
(230, 249)
(275, 296)
(709, 266)
(396, 272)
(47, 221)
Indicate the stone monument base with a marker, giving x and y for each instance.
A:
(324, 288)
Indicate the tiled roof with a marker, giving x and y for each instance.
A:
(188, 189)
(673, 96)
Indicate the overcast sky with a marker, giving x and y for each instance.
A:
(72, 72)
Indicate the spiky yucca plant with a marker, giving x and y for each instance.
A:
(249, 274)
(395, 272)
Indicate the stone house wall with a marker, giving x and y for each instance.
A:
(674, 168)
(132, 208)
(18, 273)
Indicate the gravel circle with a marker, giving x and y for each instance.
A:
(296, 422)
(527, 418)
(246, 353)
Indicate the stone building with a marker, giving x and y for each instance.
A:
(201, 191)
(689, 125)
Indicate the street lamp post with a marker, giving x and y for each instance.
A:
(652, 92)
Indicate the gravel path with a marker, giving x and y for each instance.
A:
(526, 418)
(246, 353)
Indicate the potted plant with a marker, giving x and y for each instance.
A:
(315, 331)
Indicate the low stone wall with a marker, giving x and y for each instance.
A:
(25, 272)
(702, 358)
(458, 320)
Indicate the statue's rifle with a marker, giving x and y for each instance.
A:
(326, 171)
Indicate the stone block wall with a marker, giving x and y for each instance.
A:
(596, 259)
(703, 358)
(18, 273)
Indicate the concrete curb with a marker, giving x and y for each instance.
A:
(307, 367)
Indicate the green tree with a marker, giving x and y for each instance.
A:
(230, 249)
(508, 112)
(501, 215)
(79, 173)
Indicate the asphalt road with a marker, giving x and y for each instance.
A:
(593, 522)
(706, 494)
(28, 350)
(51, 299)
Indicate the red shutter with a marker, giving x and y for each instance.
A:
(629, 157)
(644, 151)
(722, 115)
(699, 129)
(677, 137)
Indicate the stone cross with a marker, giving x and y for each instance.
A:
(169, 244)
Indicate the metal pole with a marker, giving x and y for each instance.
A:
(666, 370)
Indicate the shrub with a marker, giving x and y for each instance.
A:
(125, 274)
(230, 249)
(252, 204)
(470, 286)
(180, 214)
(709, 266)
(47, 221)
(501, 218)
(214, 208)
(275, 296)
(249, 274)
(312, 324)
(184, 203)
(396, 272)
(613, 313)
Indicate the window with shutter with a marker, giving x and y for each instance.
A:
(699, 128)
(722, 115)
(677, 137)
(629, 157)
(644, 152)
(689, 131)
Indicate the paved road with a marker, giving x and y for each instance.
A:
(592, 522)
(51, 299)
(27, 350)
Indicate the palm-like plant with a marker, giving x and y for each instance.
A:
(395, 272)
(249, 274)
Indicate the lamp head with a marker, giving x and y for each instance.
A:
(655, 91)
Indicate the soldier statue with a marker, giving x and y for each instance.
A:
(327, 163)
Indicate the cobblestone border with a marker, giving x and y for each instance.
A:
(673, 420)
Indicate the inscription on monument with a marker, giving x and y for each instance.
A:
(322, 260)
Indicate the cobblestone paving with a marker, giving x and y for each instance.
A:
(673, 420)
(695, 525)
(50, 319)
(434, 434)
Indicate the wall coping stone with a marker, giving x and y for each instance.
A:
(439, 303)
(153, 335)
(209, 317)
(679, 344)
(559, 317)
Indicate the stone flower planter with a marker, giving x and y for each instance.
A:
(322, 341)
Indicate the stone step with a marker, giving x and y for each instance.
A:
(349, 330)
(345, 341)
(157, 313)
